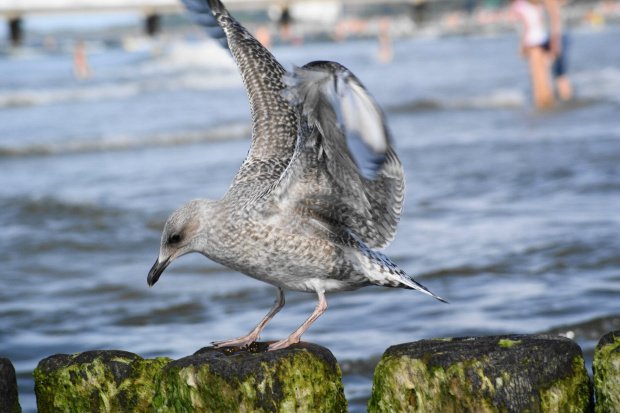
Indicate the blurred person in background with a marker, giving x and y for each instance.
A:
(557, 45)
(543, 48)
(81, 67)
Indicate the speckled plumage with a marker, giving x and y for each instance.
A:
(320, 190)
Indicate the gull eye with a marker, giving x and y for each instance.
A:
(174, 239)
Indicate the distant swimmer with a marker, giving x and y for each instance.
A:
(263, 36)
(81, 67)
(386, 49)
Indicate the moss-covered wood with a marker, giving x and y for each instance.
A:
(606, 368)
(302, 378)
(96, 381)
(525, 373)
(9, 400)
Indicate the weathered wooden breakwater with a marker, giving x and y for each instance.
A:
(510, 373)
(305, 377)
(606, 368)
(9, 400)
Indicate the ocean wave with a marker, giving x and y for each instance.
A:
(125, 142)
(204, 54)
(499, 99)
(44, 225)
(32, 209)
(119, 90)
(598, 84)
(589, 330)
(593, 86)
(30, 97)
(200, 66)
(462, 271)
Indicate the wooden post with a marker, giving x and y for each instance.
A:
(9, 400)
(16, 34)
(511, 373)
(152, 24)
(96, 381)
(304, 377)
(606, 367)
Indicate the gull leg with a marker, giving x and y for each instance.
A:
(294, 338)
(255, 334)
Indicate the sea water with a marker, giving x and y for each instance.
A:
(512, 215)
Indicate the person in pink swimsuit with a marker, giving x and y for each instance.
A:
(534, 35)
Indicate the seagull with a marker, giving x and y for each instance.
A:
(319, 194)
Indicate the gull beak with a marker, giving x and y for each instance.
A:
(156, 271)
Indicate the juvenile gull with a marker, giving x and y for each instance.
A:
(321, 189)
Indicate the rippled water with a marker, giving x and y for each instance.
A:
(511, 215)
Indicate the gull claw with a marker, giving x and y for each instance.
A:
(238, 342)
(283, 344)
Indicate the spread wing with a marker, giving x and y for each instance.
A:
(345, 173)
(336, 168)
(274, 121)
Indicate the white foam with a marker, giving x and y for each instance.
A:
(207, 53)
(598, 84)
(118, 90)
(498, 99)
(203, 65)
(27, 97)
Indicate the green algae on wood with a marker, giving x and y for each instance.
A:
(486, 374)
(96, 381)
(304, 377)
(606, 368)
(9, 399)
(508, 343)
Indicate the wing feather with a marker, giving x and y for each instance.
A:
(274, 121)
(201, 14)
(344, 171)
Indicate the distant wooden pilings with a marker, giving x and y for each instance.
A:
(510, 373)
(16, 32)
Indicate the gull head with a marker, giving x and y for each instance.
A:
(182, 234)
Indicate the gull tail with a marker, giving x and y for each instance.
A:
(411, 283)
(380, 270)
